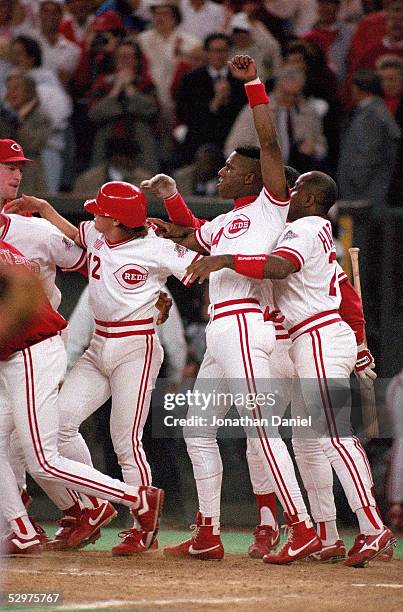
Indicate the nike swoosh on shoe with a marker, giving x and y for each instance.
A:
(294, 553)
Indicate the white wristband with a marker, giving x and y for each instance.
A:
(256, 81)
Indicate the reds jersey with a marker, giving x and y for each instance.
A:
(253, 228)
(46, 323)
(44, 245)
(125, 278)
(314, 287)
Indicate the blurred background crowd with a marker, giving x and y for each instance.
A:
(121, 89)
(125, 88)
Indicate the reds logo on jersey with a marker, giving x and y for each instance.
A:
(131, 276)
(237, 226)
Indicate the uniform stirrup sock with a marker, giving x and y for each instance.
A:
(23, 527)
(369, 520)
(266, 505)
(327, 531)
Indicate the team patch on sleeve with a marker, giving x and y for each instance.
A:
(180, 250)
(289, 235)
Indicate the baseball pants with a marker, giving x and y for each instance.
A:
(237, 362)
(29, 383)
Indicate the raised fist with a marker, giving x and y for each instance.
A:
(243, 67)
(160, 185)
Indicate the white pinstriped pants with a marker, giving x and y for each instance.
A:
(237, 361)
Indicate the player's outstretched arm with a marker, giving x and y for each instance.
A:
(178, 234)
(253, 266)
(46, 211)
(164, 186)
(243, 67)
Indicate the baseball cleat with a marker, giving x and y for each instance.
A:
(89, 524)
(147, 510)
(266, 540)
(42, 535)
(14, 544)
(205, 543)
(330, 554)
(302, 542)
(368, 547)
(134, 543)
(386, 555)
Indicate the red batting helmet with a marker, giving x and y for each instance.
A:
(121, 201)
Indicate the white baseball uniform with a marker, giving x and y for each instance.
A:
(323, 351)
(124, 355)
(32, 365)
(239, 344)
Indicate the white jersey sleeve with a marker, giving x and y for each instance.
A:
(175, 259)
(86, 232)
(64, 252)
(341, 275)
(296, 244)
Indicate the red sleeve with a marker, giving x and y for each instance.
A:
(351, 310)
(180, 213)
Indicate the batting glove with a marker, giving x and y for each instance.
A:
(365, 365)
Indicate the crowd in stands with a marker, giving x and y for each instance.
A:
(122, 89)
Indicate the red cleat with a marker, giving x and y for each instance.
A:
(302, 542)
(132, 544)
(205, 543)
(266, 540)
(386, 555)
(42, 535)
(331, 554)
(89, 524)
(147, 510)
(14, 544)
(367, 547)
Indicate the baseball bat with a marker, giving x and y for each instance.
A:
(367, 391)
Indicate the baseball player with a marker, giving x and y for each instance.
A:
(128, 264)
(239, 343)
(312, 462)
(307, 293)
(32, 364)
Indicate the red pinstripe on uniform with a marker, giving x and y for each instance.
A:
(250, 379)
(139, 455)
(330, 419)
(75, 479)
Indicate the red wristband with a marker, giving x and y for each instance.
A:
(250, 265)
(256, 94)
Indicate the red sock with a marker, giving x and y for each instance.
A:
(266, 505)
(74, 510)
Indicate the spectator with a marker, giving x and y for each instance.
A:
(391, 43)
(369, 144)
(59, 54)
(32, 128)
(121, 164)
(390, 71)
(26, 56)
(76, 24)
(252, 38)
(124, 104)
(299, 15)
(320, 83)
(164, 46)
(134, 13)
(200, 178)
(370, 31)
(16, 17)
(209, 99)
(200, 18)
(332, 36)
(299, 125)
(195, 58)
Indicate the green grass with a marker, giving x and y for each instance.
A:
(234, 541)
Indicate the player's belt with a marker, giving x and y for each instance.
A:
(322, 319)
(233, 307)
(122, 329)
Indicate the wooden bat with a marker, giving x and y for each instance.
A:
(367, 391)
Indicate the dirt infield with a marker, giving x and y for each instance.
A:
(95, 580)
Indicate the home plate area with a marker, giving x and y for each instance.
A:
(91, 579)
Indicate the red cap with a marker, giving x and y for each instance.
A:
(11, 151)
(110, 20)
(121, 201)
